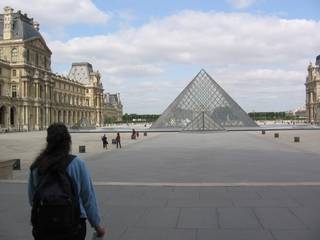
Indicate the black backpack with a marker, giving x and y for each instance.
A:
(56, 209)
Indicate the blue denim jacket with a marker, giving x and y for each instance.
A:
(88, 203)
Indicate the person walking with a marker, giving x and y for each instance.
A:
(61, 192)
(104, 141)
(133, 135)
(118, 140)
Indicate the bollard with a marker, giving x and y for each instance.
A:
(296, 139)
(145, 134)
(263, 132)
(82, 149)
(16, 165)
(276, 135)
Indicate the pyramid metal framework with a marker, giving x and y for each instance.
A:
(203, 105)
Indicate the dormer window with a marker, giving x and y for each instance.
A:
(14, 55)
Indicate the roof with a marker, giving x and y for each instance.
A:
(113, 99)
(22, 27)
(318, 60)
(81, 72)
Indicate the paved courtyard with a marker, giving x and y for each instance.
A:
(234, 185)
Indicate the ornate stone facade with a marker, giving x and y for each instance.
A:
(113, 107)
(313, 92)
(31, 96)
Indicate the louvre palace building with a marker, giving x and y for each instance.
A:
(313, 92)
(32, 96)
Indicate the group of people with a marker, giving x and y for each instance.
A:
(105, 142)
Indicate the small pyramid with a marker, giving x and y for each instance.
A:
(84, 123)
(203, 105)
(203, 122)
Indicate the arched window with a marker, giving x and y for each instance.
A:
(12, 116)
(14, 55)
(2, 116)
(1, 53)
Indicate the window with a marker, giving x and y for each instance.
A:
(14, 91)
(37, 59)
(0, 71)
(14, 55)
(0, 90)
(41, 91)
(28, 56)
(14, 72)
(45, 62)
(1, 53)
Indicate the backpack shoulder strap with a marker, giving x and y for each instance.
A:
(69, 160)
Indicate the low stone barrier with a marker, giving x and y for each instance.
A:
(6, 168)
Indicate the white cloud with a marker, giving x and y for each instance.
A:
(241, 4)
(59, 13)
(263, 53)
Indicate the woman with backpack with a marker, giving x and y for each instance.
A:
(61, 192)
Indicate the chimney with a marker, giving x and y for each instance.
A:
(7, 23)
(36, 25)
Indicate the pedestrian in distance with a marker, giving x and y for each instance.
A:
(134, 134)
(104, 141)
(118, 140)
(61, 192)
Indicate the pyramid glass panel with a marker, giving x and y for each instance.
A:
(203, 122)
(203, 105)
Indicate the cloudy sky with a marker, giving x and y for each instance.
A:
(257, 50)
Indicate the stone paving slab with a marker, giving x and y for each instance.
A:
(296, 235)
(238, 218)
(198, 218)
(278, 218)
(204, 234)
(210, 218)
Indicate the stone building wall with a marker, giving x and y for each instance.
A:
(31, 95)
(313, 92)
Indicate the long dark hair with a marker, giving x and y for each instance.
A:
(57, 150)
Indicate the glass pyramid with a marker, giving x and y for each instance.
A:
(203, 105)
